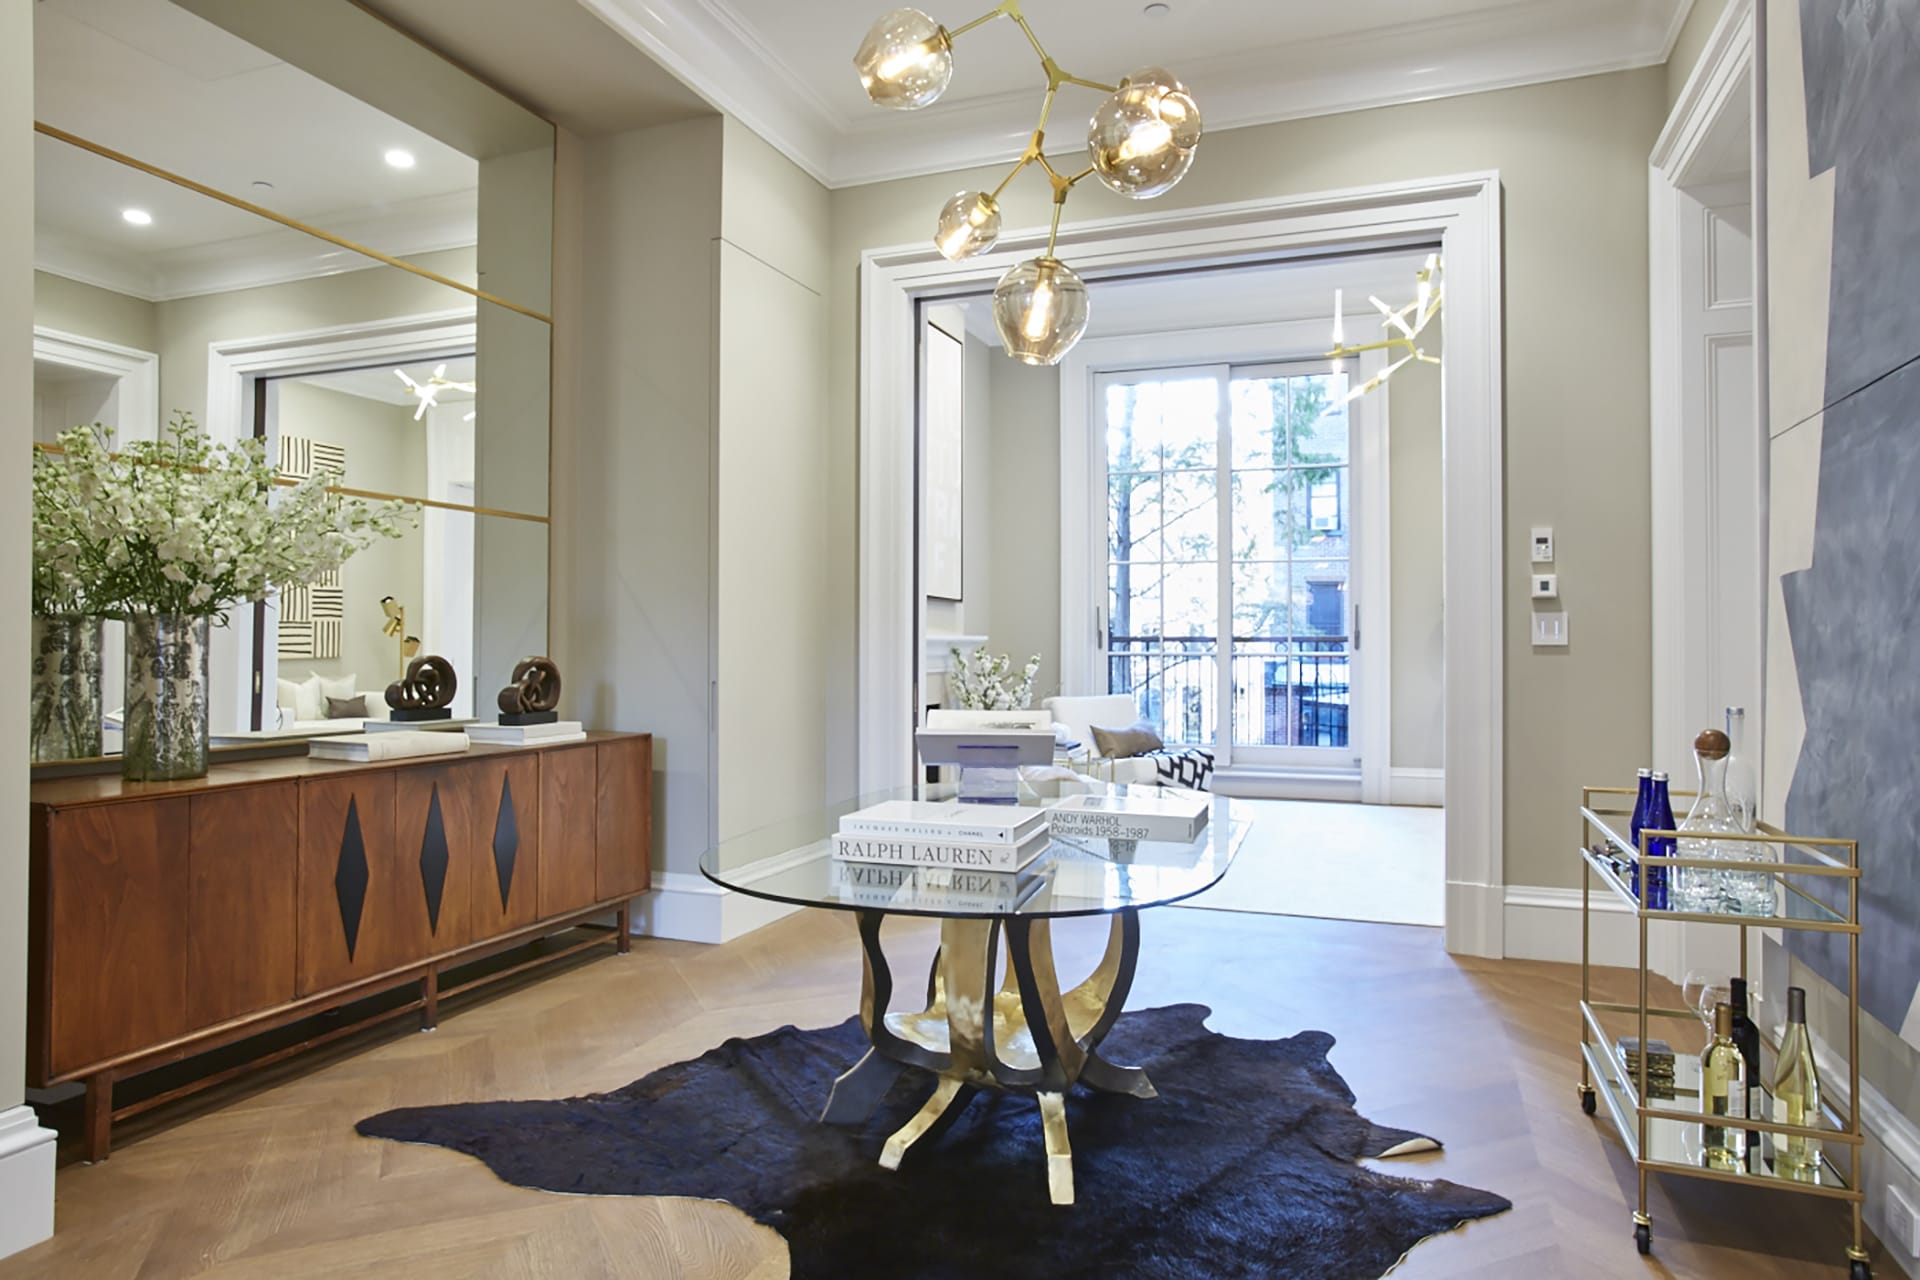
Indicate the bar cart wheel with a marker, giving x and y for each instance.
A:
(1859, 1271)
(1643, 1238)
(1588, 1102)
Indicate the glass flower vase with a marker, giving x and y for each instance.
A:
(65, 678)
(166, 716)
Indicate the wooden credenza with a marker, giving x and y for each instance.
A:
(171, 918)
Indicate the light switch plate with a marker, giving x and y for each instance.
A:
(1546, 586)
(1542, 544)
(1549, 629)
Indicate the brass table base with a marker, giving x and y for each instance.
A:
(1019, 1035)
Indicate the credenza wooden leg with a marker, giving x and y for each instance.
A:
(624, 943)
(97, 1137)
(430, 1000)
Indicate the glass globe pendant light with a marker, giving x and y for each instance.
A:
(1143, 137)
(969, 224)
(906, 61)
(1040, 309)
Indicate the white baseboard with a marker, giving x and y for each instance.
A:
(688, 907)
(1288, 784)
(1891, 1160)
(1544, 924)
(26, 1180)
(1426, 787)
(1474, 923)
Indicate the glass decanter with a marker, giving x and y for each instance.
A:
(1702, 888)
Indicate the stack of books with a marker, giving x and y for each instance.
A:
(529, 735)
(1176, 816)
(945, 834)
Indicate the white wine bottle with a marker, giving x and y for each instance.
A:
(1722, 1079)
(1796, 1093)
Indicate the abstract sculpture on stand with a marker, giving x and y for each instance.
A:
(425, 692)
(533, 697)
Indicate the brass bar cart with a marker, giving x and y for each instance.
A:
(1665, 1134)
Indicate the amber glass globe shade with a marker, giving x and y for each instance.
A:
(1040, 308)
(906, 60)
(969, 224)
(1142, 138)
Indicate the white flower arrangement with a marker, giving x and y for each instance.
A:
(184, 526)
(981, 681)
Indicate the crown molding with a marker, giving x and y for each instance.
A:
(718, 54)
(279, 256)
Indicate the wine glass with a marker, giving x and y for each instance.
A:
(1702, 989)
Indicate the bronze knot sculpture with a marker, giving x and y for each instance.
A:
(534, 693)
(425, 692)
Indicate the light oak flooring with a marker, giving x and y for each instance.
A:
(1385, 863)
(269, 1180)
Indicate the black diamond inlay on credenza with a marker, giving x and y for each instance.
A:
(433, 859)
(350, 876)
(506, 840)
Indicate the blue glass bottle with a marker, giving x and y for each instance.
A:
(1642, 805)
(1659, 818)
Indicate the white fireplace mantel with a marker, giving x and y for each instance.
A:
(938, 659)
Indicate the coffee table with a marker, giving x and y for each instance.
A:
(1017, 1032)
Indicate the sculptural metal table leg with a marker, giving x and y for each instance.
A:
(1022, 1035)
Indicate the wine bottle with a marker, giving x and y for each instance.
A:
(1796, 1093)
(1653, 879)
(1746, 1037)
(1642, 805)
(1722, 1079)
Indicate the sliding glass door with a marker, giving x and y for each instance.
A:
(1229, 517)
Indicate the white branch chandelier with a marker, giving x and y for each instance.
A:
(1403, 327)
(1140, 142)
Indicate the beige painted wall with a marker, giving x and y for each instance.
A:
(16, 538)
(1415, 546)
(635, 509)
(1573, 161)
(386, 451)
(93, 312)
(773, 615)
(1025, 482)
(1702, 18)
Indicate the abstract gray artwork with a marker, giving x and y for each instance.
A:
(1854, 616)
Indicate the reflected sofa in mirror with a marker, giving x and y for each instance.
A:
(396, 366)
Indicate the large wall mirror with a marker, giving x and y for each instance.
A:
(293, 222)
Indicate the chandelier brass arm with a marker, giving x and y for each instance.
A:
(1401, 336)
(1140, 141)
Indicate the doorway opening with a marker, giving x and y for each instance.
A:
(1259, 570)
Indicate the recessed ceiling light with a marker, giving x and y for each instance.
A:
(400, 159)
(138, 217)
(1157, 10)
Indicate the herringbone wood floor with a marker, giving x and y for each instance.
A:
(268, 1179)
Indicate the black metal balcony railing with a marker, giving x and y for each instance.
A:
(1288, 691)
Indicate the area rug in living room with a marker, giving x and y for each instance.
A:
(1246, 1165)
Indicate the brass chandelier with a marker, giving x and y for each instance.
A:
(1403, 325)
(1140, 142)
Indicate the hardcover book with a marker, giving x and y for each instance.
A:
(354, 747)
(945, 820)
(933, 851)
(1177, 816)
(519, 735)
(880, 884)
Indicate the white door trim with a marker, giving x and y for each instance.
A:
(1692, 566)
(138, 372)
(26, 1180)
(233, 363)
(1464, 214)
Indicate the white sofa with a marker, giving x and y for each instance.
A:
(1109, 711)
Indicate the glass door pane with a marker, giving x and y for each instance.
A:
(1291, 527)
(1162, 438)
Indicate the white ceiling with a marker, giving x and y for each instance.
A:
(151, 80)
(785, 68)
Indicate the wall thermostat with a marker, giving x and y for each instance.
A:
(1542, 544)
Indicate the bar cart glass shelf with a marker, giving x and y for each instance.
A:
(1660, 1122)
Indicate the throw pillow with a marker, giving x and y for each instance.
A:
(343, 687)
(287, 695)
(1123, 744)
(354, 708)
(309, 703)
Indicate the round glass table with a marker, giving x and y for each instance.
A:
(982, 1027)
